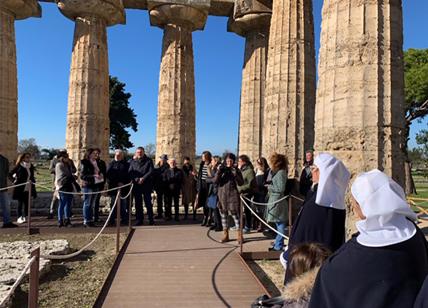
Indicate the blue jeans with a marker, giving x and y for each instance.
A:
(65, 201)
(88, 204)
(279, 240)
(5, 206)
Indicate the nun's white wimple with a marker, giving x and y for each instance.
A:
(384, 205)
(333, 181)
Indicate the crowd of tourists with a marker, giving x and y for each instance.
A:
(383, 265)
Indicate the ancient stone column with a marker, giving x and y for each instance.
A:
(176, 101)
(11, 10)
(88, 122)
(251, 20)
(290, 83)
(359, 110)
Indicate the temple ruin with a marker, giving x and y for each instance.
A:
(355, 112)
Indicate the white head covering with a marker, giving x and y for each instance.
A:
(384, 205)
(334, 179)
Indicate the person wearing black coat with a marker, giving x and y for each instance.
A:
(141, 172)
(90, 176)
(173, 178)
(103, 170)
(23, 172)
(202, 186)
(305, 183)
(117, 175)
(159, 184)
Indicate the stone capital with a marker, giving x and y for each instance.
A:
(245, 7)
(188, 13)
(21, 9)
(249, 23)
(112, 11)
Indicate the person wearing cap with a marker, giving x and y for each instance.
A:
(322, 217)
(383, 265)
(173, 177)
(160, 185)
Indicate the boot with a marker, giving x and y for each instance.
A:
(204, 221)
(225, 237)
(239, 237)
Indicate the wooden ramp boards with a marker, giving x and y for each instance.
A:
(181, 266)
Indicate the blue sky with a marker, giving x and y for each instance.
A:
(44, 55)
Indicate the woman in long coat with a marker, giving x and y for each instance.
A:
(189, 186)
(228, 177)
(277, 212)
(23, 172)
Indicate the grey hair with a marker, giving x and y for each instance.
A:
(118, 151)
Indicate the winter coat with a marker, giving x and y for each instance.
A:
(277, 212)
(142, 168)
(117, 172)
(173, 177)
(298, 292)
(201, 184)
(189, 185)
(87, 172)
(260, 188)
(159, 183)
(19, 175)
(64, 178)
(228, 180)
(248, 188)
(4, 171)
(305, 180)
(103, 170)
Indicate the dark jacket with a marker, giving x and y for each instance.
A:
(201, 184)
(117, 172)
(189, 185)
(228, 180)
(173, 178)
(142, 168)
(87, 172)
(159, 176)
(260, 188)
(305, 183)
(19, 175)
(4, 171)
(248, 188)
(103, 170)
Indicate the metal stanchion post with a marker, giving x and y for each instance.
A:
(130, 210)
(241, 223)
(29, 208)
(118, 221)
(290, 215)
(33, 294)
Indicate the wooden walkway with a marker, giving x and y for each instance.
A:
(181, 266)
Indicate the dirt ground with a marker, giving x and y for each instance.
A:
(75, 282)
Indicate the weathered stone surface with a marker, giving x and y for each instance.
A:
(255, 29)
(359, 110)
(290, 82)
(15, 255)
(9, 11)
(88, 122)
(176, 101)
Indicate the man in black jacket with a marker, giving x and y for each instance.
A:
(4, 198)
(117, 175)
(159, 184)
(174, 180)
(103, 170)
(140, 172)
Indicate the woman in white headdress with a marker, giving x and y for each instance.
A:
(385, 263)
(322, 217)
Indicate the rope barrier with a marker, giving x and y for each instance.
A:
(13, 186)
(87, 193)
(297, 198)
(258, 217)
(71, 255)
(17, 282)
(272, 203)
(130, 191)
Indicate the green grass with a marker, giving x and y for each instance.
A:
(43, 175)
(421, 183)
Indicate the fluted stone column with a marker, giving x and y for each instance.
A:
(88, 123)
(290, 82)
(359, 111)
(255, 28)
(11, 10)
(176, 101)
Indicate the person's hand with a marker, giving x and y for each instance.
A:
(140, 181)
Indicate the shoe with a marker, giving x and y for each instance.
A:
(9, 225)
(50, 216)
(204, 221)
(168, 218)
(98, 220)
(68, 223)
(88, 224)
(260, 229)
(246, 230)
(159, 216)
(20, 220)
(60, 224)
(138, 224)
(273, 249)
(213, 227)
(225, 237)
(219, 229)
(151, 222)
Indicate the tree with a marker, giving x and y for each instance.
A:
(49, 153)
(29, 146)
(416, 99)
(121, 116)
(422, 139)
(150, 150)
